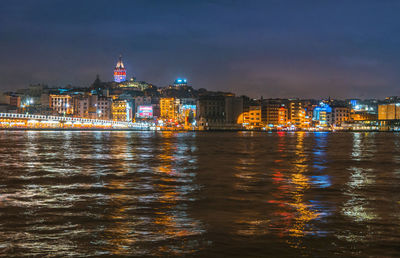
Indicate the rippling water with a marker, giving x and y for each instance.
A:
(206, 194)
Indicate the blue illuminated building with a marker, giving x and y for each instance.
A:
(320, 113)
(354, 103)
(180, 82)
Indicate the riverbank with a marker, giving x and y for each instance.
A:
(181, 130)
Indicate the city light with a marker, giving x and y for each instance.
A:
(181, 107)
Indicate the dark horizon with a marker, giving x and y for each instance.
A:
(272, 49)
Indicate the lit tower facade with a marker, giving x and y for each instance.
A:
(119, 71)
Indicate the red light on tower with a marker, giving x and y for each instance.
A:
(120, 71)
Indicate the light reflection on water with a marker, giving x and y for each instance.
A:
(204, 194)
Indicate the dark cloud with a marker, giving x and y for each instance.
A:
(270, 48)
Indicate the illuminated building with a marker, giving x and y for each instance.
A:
(153, 102)
(120, 71)
(296, 112)
(339, 115)
(92, 106)
(62, 104)
(180, 82)
(274, 113)
(244, 119)
(169, 108)
(282, 115)
(187, 111)
(389, 111)
(355, 104)
(369, 106)
(254, 116)
(144, 111)
(363, 116)
(132, 84)
(122, 110)
(321, 114)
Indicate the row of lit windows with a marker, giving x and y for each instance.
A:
(61, 101)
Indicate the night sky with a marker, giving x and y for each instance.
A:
(258, 48)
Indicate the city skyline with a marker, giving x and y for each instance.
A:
(208, 128)
(270, 49)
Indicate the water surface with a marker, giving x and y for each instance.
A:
(207, 194)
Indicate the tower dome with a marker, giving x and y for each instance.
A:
(120, 71)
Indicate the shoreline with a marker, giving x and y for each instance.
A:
(167, 130)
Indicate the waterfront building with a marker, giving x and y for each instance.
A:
(155, 103)
(389, 111)
(369, 106)
(103, 107)
(363, 116)
(122, 110)
(10, 99)
(187, 112)
(144, 112)
(211, 111)
(308, 115)
(244, 119)
(13, 99)
(296, 112)
(81, 106)
(321, 114)
(9, 103)
(169, 109)
(274, 112)
(149, 101)
(252, 118)
(61, 103)
(219, 111)
(233, 109)
(338, 115)
(120, 71)
(282, 116)
(92, 106)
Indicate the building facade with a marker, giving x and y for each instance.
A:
(169, 109)
(296, 112)
(389, 111)
(321, 114)
(274, 113)
(187, 112)
(122, 110)
(252, 118)
(339, 115)
(219, 112)
(62, 104)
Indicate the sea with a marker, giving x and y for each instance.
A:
(199, 194)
